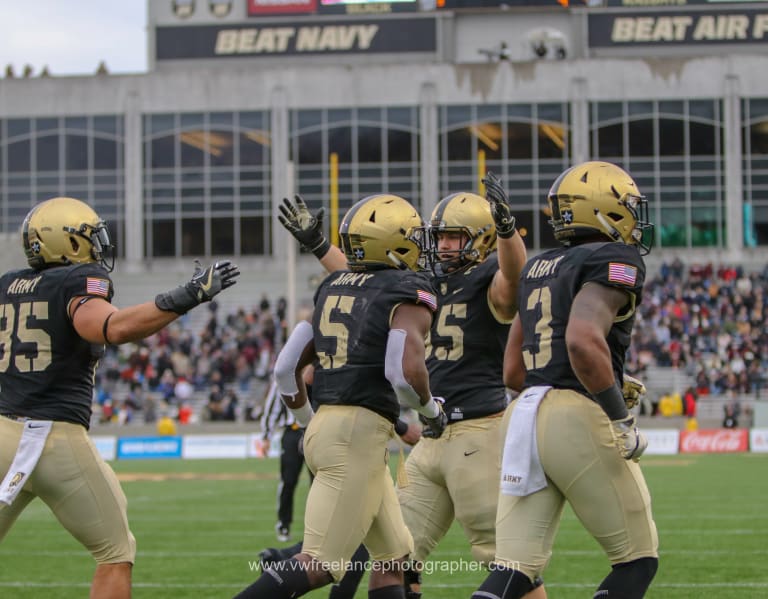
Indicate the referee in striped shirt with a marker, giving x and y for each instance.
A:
(276, 416)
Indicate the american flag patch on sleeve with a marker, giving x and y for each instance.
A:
(622, 273)
(97, 286)
(427, 298)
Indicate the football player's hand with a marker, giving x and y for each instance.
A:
(434, 427)
(306, 227)
(500, 210)
(204, 285)
(412, 435)
(632, 390)
(630, 442)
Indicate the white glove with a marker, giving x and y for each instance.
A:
(632, 390)
(630, 442)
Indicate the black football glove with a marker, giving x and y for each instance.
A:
(304, 226)
(497, 198)
(202, 287)
(434, 427)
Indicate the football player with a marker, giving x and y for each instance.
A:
(57, 316)
(566, 352)
(367, 340)
(476, 256)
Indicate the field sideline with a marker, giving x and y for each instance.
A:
(199, 523)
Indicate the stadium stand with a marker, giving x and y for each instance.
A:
(699, 327)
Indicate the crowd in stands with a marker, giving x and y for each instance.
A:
(211, 374)
(707, 321)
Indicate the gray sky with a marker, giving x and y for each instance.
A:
(71, 37)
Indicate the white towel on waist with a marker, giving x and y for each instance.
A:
(521, 470)
(28, 453)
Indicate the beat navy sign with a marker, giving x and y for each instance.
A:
(286, 39)
(678, 28)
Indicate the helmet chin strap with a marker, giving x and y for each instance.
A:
(396, 261)
(612, 232)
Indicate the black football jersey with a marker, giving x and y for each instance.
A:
(548, 284)
(351, 321)
(46, 368)
(466, 344)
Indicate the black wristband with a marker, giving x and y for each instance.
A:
(612, 402)
(401, 427)
(321, 249)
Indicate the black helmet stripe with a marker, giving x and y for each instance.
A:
(349, 217)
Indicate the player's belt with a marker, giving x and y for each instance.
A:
(15, 417)
(464, 418)
(295, 427)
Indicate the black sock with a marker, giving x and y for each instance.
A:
(265, 587)
(391, 592)
(289, 552)
(628, 581)
(504, 583)
(411, 577)
(284, 580)
(347, 586)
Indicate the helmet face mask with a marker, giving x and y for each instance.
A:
(64, 231)
(599, 200)
(382, 231)
(461, 214)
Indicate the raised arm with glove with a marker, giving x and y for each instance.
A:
(306, 227)
(500, 210)
(204, 285)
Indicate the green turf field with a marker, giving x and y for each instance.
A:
(200, 523)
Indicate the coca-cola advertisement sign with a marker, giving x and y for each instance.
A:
(714, 441)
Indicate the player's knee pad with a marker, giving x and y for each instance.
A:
(629, 580)
(504, 583)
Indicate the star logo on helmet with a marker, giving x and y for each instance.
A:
(36, 247)
(359, 253)
(567, 217)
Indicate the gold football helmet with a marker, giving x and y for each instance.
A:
(382, 231)
(599, 198)
(470, 215)
(65, 231)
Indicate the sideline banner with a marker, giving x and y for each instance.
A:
(661, 441)
(718, 440)
(129, 448)
(106, 445)
(214, 446)
(758, 440)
